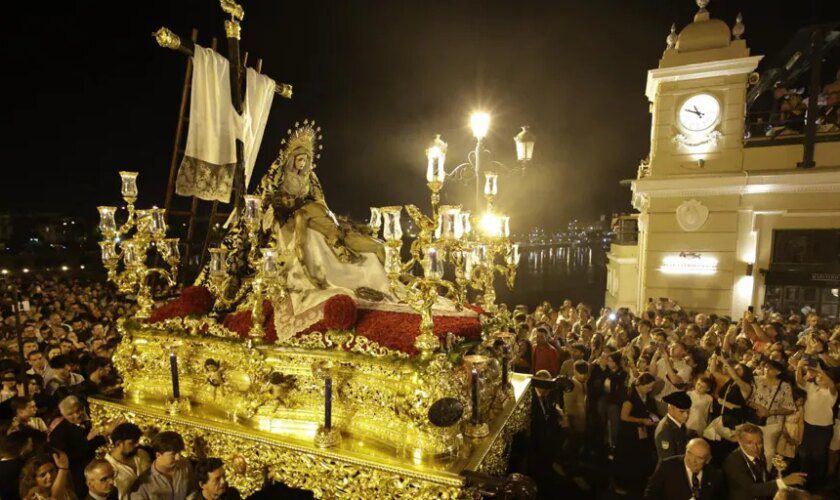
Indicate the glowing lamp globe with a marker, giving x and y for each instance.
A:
(432, 264)
(491, 183)
(480, 124)
(270, 269)
(524, 144)
(252, 207)
(512, 256)
(375, 221)
(491, 225)
(391, 229)
(466, 227)
(170, 249)
(218, 265)
(436, 156)
(107, 223)
(129, 186)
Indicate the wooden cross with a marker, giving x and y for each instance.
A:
(166, 38)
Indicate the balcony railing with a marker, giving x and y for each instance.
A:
(776, 128)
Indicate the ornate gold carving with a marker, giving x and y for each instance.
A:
(327, 438)
(167, 39)
(250, 456)
(284, 90)
(232, 29)
(260, 409)
(495, 460)
(234, 9)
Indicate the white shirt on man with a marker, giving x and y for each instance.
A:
(681, 368)
(689, 474)
(124, 476)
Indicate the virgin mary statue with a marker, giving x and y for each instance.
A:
(329, 256)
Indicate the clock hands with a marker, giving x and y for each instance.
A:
(696, 112)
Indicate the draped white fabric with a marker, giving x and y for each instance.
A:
(259, 94)
(306, 305)
(210, 157)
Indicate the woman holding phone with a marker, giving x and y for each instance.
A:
(635, 454)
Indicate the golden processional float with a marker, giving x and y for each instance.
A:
(312, 353)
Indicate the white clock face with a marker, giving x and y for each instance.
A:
(699, 113)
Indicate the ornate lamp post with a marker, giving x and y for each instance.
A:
(149, 229)
(480, 125)
(447, 237)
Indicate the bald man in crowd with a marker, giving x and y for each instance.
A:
(688, 476)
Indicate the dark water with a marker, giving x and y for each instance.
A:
(555, 273)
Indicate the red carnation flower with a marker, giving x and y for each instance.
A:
(398, 331)
(194, 301)
(241, 323)
(197, 299)
(340, 312)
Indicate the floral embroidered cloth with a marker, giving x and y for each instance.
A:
(207, 169)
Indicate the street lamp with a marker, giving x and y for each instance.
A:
(480, 125)
(524, 144)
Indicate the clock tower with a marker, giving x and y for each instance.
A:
(727, 220)
(697, 101)
(698, 98)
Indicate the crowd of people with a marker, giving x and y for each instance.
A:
(676, 405)
(48, 448)
(790, 109)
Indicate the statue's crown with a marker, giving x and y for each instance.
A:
(304, 138)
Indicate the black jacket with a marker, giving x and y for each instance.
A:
(740, 481)
(670, 482)
(9, 478)
(112, 496)
(72, 440)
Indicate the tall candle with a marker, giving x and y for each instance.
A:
(475, 396)
(327, 403)
(173, 367)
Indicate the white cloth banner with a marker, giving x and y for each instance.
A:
(210, 158)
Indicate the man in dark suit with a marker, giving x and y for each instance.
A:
(685, 477)
(746, 469)
(74, 437)
(671, 434)
(546, 434)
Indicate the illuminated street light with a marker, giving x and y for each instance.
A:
(480, 124)
(524, 144)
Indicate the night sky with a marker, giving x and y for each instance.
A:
(91, 93)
